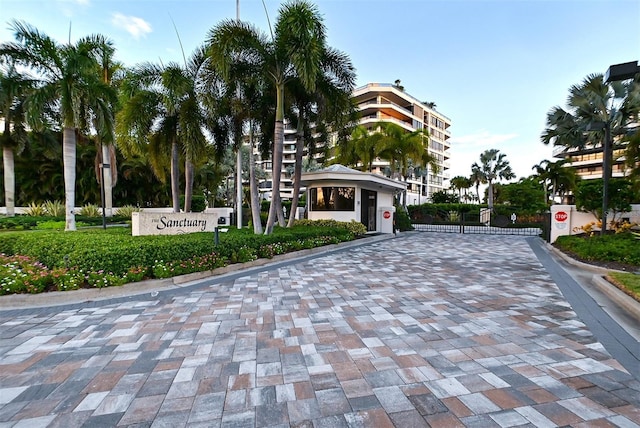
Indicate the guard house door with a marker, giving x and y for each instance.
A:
(369, 206)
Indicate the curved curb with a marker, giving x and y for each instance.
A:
(624, 301)
(619, 297)
(58, 298)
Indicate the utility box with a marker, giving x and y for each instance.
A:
(224, 215)
(385, 219)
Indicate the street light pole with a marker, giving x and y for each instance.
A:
(616, 72)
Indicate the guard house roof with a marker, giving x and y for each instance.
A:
(342, 173)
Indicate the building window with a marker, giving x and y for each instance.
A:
(333, 198)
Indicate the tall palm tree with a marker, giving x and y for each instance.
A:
(557, 178)
(477, 178)
(105, 161)
(329, 107)
(69, 91)
(295, 49)
(14, 88)
(161, 114)
(235, 104)
(460, 183)
(493, 166)
(593, 101)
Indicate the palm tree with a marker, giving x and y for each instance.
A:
(69, 88)
(105, 161)
(556, 177)
(161, 114)
(460, 183)
(493, 166)
(329, 105)
(296, 49)
(362, 149)
(477, 178)
(616, 105)
(405, 149)
(14, 88)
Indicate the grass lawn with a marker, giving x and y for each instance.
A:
(627, 282)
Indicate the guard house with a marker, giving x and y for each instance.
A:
(344, 194)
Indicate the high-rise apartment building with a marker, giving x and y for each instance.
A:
(383, 102)
(587, 161)
(388, 102)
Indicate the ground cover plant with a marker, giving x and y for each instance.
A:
(627, 282)
(617, 251)
(620, 251)
(48, 260)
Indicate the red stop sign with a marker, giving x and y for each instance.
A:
(561, 216)
(386, 214)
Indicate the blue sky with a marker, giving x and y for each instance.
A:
(495, 68)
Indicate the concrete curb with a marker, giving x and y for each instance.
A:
(57, 298)
(623, 300)
(620, 298)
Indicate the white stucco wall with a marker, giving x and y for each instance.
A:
(384, 202)
(571, 225)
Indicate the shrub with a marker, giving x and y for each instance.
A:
(35, 210)
(619, 248)
(90, 210)
(198, 203)
(126, 210)
(355, 228)
(54, 208)
(402, 220)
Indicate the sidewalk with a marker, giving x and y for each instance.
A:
(425, 329)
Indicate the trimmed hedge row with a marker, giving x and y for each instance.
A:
(116, 251)
(27, 222)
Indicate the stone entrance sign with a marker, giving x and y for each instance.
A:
(150, 223)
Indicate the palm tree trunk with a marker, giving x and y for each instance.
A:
(276, 162)
(188, 185)
(69, 164)
(253, 187)
(490, 196)
(107, 169)
(297, 172)
(9, 180)
(175, 171)
(239, 185)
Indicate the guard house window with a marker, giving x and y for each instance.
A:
(333, 198)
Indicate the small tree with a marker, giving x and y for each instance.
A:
(526, 195)
(442, 197)
(621, 196)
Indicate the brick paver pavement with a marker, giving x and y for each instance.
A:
(420, 330)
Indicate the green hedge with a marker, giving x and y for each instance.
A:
(115, 250)
(450, 213)
(26, 222)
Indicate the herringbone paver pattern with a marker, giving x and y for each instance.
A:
(422, 330)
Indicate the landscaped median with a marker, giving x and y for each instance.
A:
(619, 254)
(39, 261)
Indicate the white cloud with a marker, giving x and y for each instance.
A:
(135, 26)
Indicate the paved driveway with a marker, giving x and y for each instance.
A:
(421, 330)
